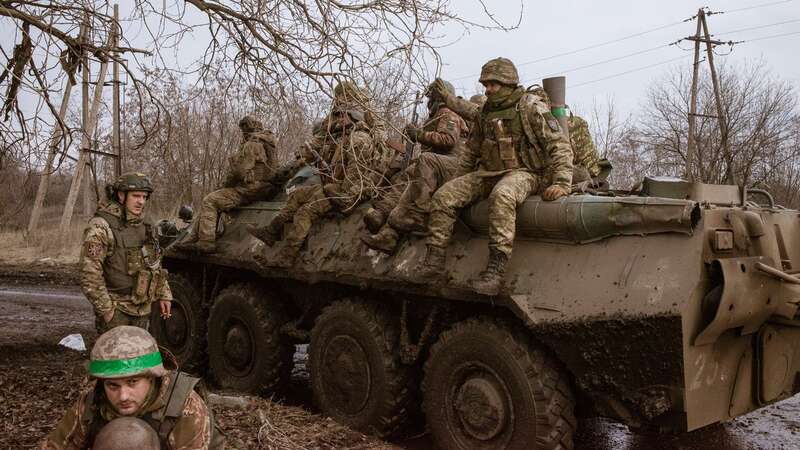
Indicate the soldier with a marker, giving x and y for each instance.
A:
(342, 151)
(120, 262)
(517, 148)
(130, 379)
(248, 179)
(442, 140)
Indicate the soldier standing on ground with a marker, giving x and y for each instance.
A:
(248, 179)
(130, 379)
(343, 152)
(519, 150)
(442, 139)
(120, 263)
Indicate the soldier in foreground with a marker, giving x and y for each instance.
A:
(518, 149)
(127, 433)
(342, 152)
(120, 262)
(130, 379)
(248, 179)
(442, 139)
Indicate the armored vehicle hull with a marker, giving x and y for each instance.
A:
(675, 311)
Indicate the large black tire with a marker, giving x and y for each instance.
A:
(487, 386)
(356, 374)
(183, 334)
(246, 351)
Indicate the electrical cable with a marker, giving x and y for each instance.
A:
(629, 71)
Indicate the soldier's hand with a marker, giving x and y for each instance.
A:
(438, 88)
(554, 192)
(166, 308)
(412, 132)
(108, 316)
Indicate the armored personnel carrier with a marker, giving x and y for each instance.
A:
(674, 307)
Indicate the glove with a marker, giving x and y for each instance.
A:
(412, 132)
(554, 192)
(438, 89)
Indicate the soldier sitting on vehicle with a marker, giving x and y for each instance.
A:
(442, 139)
(518, 149)
(589, 170)
(120, 262)
(343, 152)
(248, 179)
(130, 379)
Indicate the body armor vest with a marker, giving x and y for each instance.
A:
(508, 140)
(134, 266)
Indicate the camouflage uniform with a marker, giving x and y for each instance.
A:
(343, 152)
(188, 426)
(518, 149)
(120, 268)
(248, 179)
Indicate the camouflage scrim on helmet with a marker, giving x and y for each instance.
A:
(132, 181)
(478, 99)
(125, 351)
(431, 92)
(501, 70)
(349, 97)
(127, 433)
(249, 124)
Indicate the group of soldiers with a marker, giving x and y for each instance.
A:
(503, 146)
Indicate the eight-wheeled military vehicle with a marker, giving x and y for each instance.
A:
(674, 306)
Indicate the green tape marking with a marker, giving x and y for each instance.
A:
(559, 112)
(116, 367)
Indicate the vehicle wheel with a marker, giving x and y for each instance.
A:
(183, 334)
(356, 374)
(246, 352)
(487, 386)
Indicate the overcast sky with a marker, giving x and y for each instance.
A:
(553, 28)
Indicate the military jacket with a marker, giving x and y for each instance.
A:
(120, 263)
(191, 428)
(443, 132)
(254, 163)
(524, 136)
(583, 146)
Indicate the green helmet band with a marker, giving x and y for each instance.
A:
(120, 367)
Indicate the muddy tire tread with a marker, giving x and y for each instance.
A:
(198, 362)
(398, 402)
(270, 314)
(556, 423)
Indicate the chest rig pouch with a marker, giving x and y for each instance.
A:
(502, 140)
(134, 267)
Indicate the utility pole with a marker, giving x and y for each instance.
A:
(89, 122)
(721, 118)
(115, 136)
(690, 144)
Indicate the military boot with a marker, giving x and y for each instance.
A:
(384, 240)
(374, 220)
(408, 221)
(269, 233)
(433, 266)
(488, 282)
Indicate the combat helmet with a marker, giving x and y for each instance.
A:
(478, 99)
(132, 181)
(501, 70)
(127, 433)
(249, 124)
(448, 87)
(125, 351)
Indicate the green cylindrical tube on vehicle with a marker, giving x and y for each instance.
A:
(556, 88)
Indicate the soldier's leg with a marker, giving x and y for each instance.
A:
(429, 173)
(120, 318)
(506, 195)
(272, 231)
(447, 201)
(316, 206)
(219, 200)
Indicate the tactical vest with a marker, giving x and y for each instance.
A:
(134, 266)
(162, 420)
(508, 139)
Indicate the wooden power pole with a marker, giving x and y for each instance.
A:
(115, 137)
(721, 118)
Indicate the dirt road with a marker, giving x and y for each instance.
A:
(38, 379)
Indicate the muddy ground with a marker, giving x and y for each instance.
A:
(39, 305)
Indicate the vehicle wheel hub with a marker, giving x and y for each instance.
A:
(481, 409)
(346, 379)
(238, 347)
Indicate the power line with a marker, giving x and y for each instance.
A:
(757, 27)
(747, 8)
(629, 71)
(773, 36)
(590, 47)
